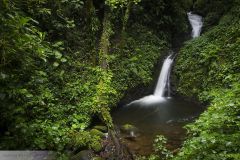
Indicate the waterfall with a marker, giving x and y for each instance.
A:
(164, 78)
(163, 84)
(196, 23)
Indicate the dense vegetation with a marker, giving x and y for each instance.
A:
(209, 68)
(65, 62)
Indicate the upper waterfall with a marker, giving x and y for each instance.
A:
(196, 23)
(164, 78)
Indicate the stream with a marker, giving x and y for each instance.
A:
(166, 117)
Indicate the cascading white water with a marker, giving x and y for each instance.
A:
(196, 23)
(163, 84)
(164, 78)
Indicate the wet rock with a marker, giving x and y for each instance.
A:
(130, 131)
(132, 136)
(128, 128)
(170, 121)
(101, 128)
(83, 155)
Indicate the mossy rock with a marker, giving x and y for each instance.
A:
(127, 128)
(101, 128)
(130, 131)
(96, 132)
(96, 147)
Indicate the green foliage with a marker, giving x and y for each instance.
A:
(160, 149)
(44, 91)
(213, 58)
(215, 134)
(212, 10)
(120, 3)
(91, 140)
(208, 68)
(51, 84)
(164, 17)
(52, 81)
(134, 61)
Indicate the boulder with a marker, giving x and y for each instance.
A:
(129, 129)
(97, 147)
(96, 132)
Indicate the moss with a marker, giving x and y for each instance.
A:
(96, 147)
(128, 128)
(96, 132)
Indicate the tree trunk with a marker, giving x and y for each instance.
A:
(91, 19)
(89, 9)
(104, 46)
(125, 21)
(104, 41)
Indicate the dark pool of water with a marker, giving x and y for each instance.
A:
(166, 117)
